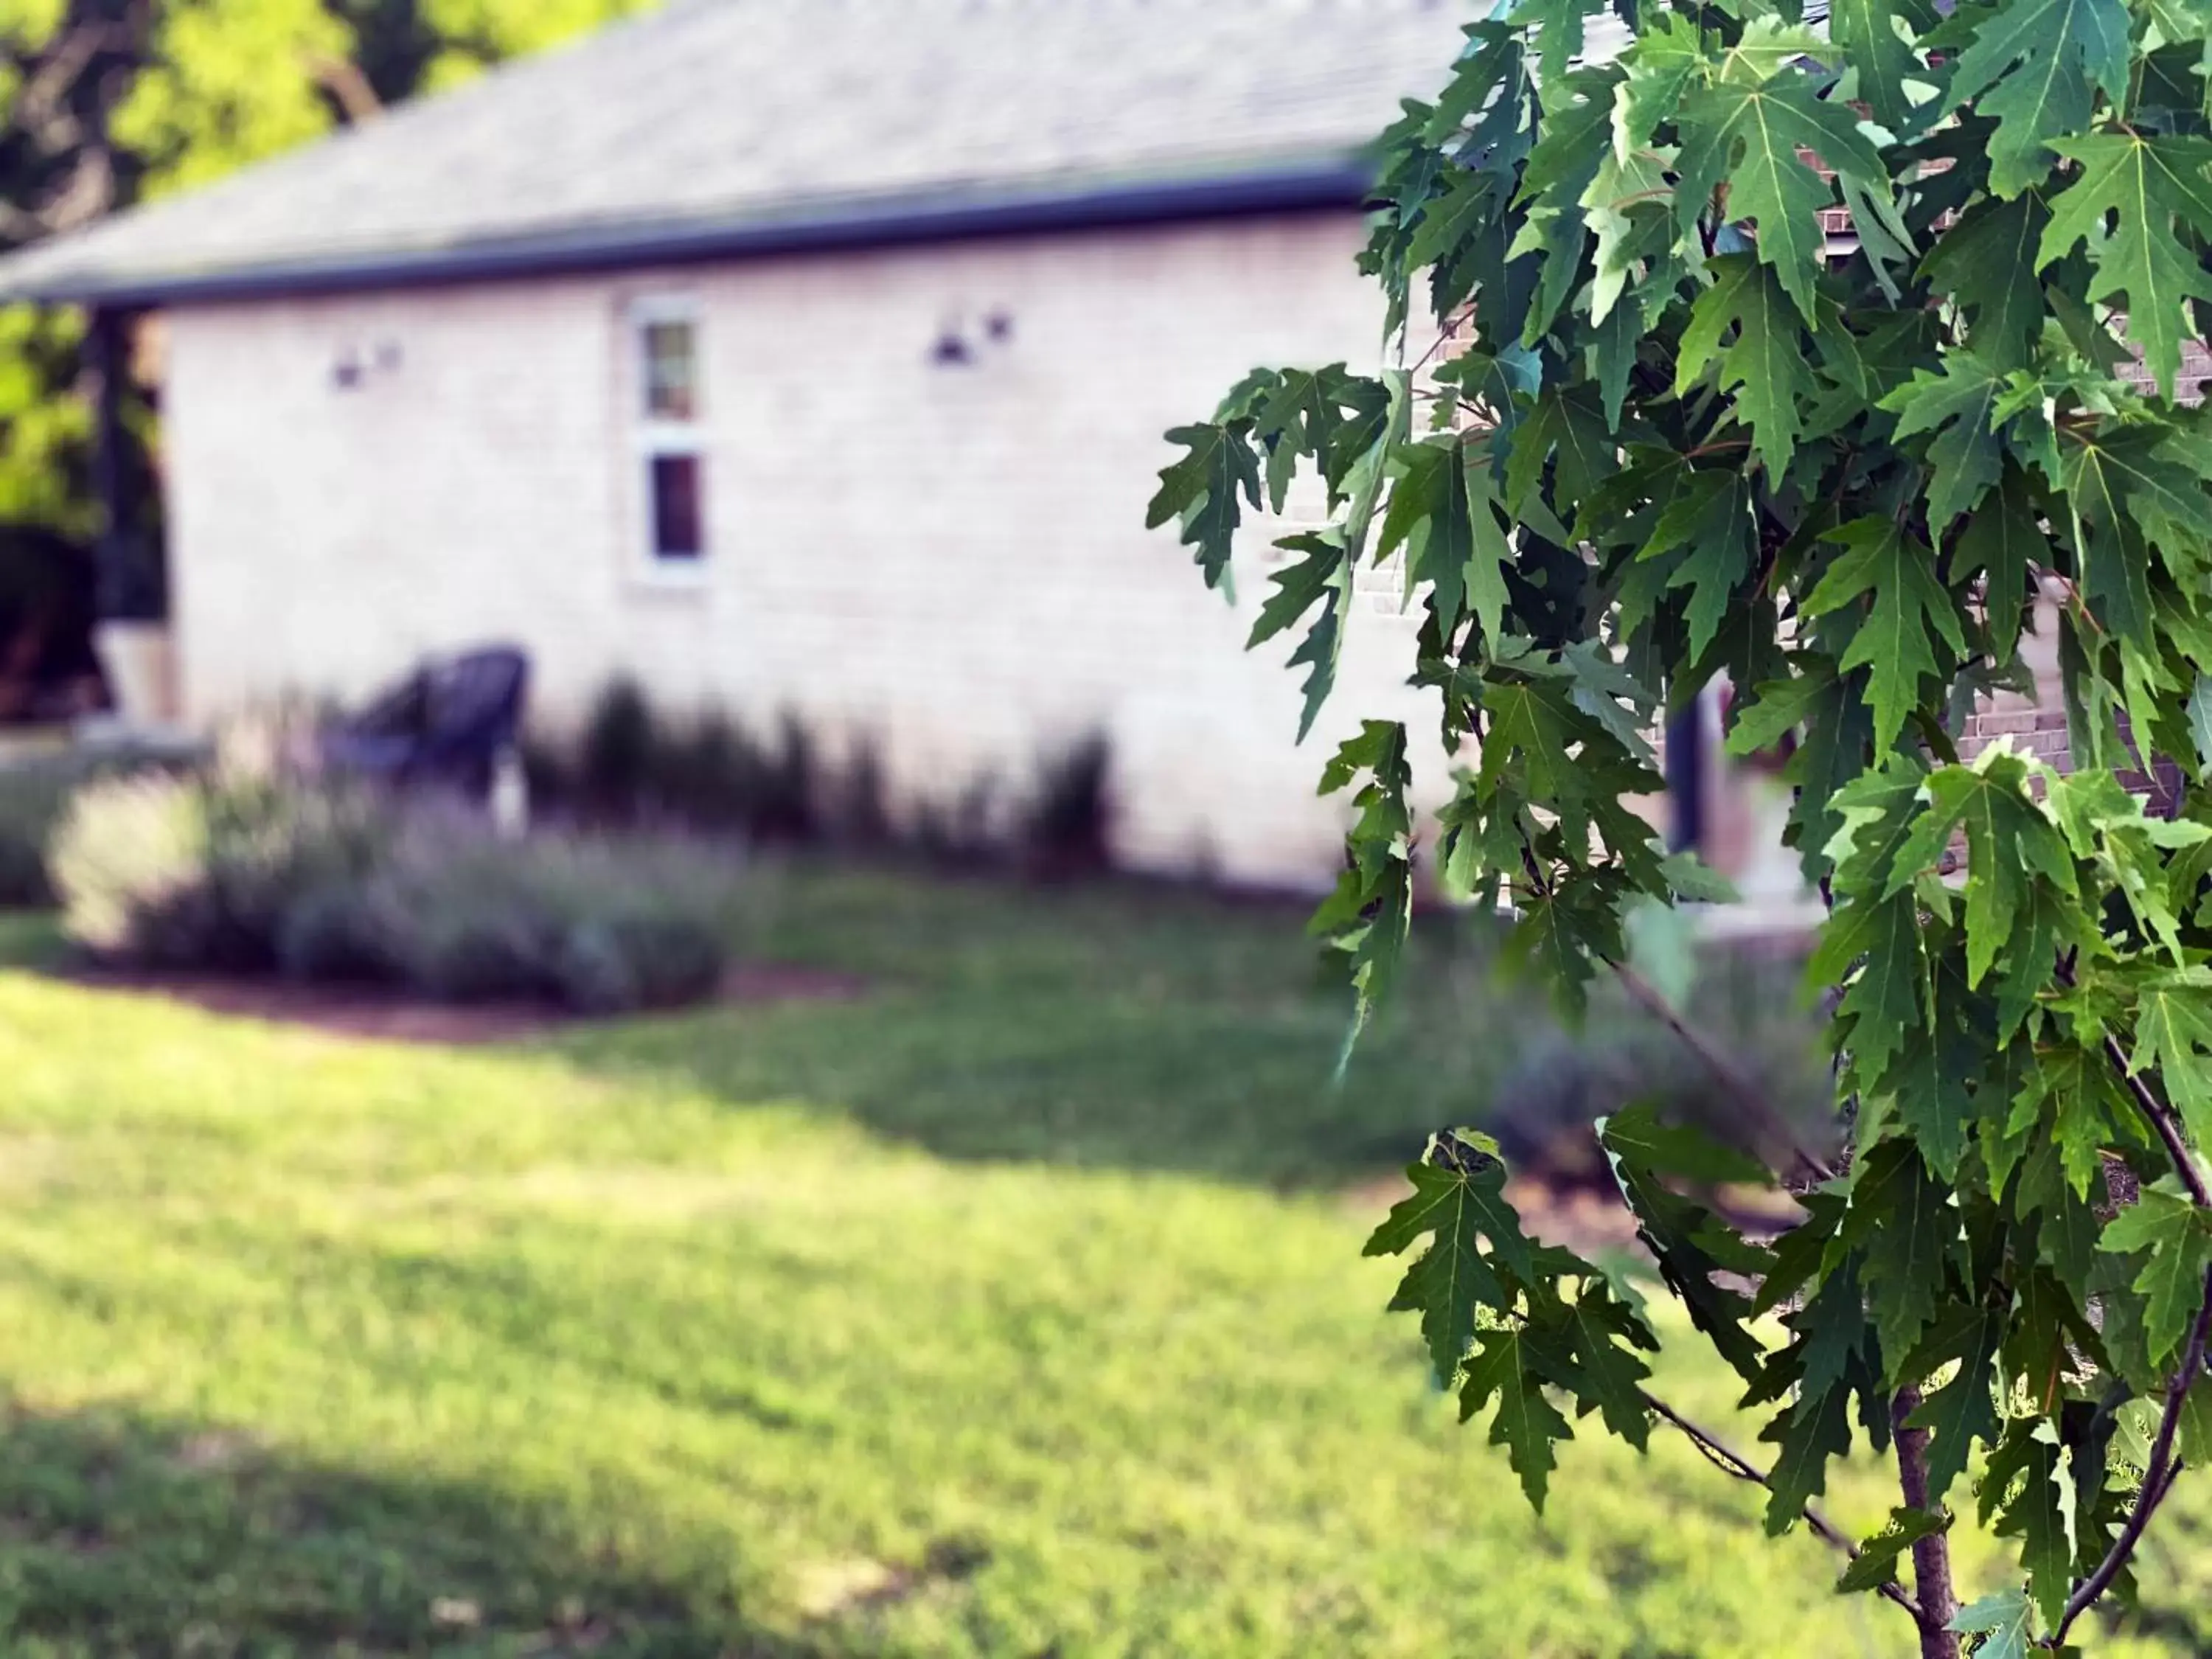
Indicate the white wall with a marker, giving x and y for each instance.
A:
(952, 557)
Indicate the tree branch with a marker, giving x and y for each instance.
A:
(1732, 1078)
(2157, 1478)
(1728, 1462)
(1932, 1556)
(2161, 1117)
(1725, 1071)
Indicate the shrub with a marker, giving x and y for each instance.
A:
(600, 924)
(962, 833)
(620, 748)
(204, 869)
(712, 772)
(789, 805)
(1066, 824)
(31, 800)
(128, 853)
(255, 864)
(859, 809)
(711, 775)
(34, 795)
(548, 772)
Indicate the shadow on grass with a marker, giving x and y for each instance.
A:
(123, 1536)
(1114, 1026)
(1142, 1027)
(32, 940)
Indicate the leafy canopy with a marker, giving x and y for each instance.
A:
(1791, 354)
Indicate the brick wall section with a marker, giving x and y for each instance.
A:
(951, 557)
(2038, 724)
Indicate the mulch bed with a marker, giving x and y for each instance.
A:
(1590, 1218)
(395, 1016)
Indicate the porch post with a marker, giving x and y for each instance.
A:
(106, 356)
(1684, 770)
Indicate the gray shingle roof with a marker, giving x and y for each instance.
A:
(724, 125)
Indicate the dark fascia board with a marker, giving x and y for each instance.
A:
(1343, 182)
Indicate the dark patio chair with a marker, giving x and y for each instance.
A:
(444, 724)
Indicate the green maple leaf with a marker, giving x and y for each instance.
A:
(1558, 35)
(1299, 416)
(1201, 489)
(1867, 31)
(1887, 993)
(2003, 542)
(1657, 67)
(1557, 236)
(2036, 65)
(1834, 1337)
(1876, 1563)
(1607, 1374)
(1990, 260)
(1958, 405)
(1567, 429)
(1766, 47)
(2146, 478)
(1562, 932)
(2179, 1237)
(2070, 1098)
(1903, 1219)
(1541, 738)
(1323, 577)
(1710, 517)
(1571, 140)
(1764, 365)
(2173, 1038)
(1776, 708)
(1370, 912)
(2144, 185)
(2066, 1232)
(2004, 1621)
(1443, 510)
(2011, 844)
(2112, 557)
(1817, 1428)
(1624, 209)
(1690, 1246)
(1749, 137)
(2024, 1473)
(1965, 1409)
(1470, 203)
(1459, 1205)
(2200, 724)
(1639, 1133)
(1911, 613)
(2041, 1341)
(1526, 1423)
(1878, 814)
(1928, 1090)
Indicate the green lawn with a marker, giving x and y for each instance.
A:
(1014, 1308)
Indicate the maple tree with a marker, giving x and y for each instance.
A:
(1679, 433)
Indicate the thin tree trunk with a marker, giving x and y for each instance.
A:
(1931, 1557)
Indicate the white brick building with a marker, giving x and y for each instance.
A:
(790, 353)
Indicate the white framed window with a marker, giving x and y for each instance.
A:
(666, 417)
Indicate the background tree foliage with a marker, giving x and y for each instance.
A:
(107, 102)
(1676, 436)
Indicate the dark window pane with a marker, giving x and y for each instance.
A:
(676, 530)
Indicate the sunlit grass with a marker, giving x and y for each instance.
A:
(1005, 1311)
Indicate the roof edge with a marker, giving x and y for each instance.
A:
(1342, 182)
